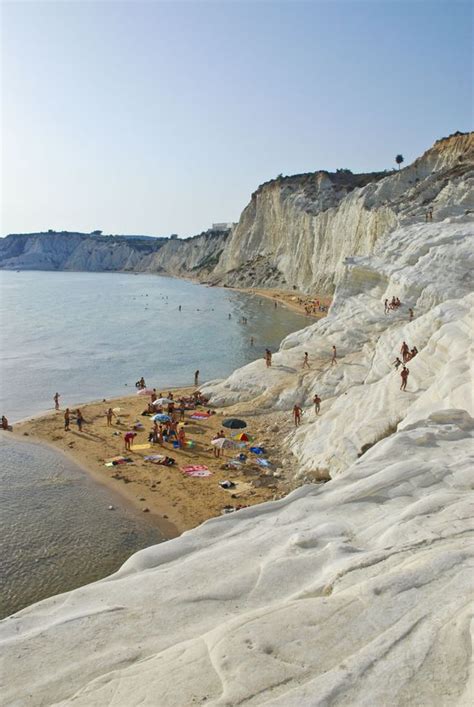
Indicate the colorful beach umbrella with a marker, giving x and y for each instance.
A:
(161, 417)
(234, 424)
(243, 437)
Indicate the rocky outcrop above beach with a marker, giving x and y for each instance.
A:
(296, 231)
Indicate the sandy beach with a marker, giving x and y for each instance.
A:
(297, 301)
(177, 502)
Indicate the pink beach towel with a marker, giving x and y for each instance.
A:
(198, 470)
(199, 415)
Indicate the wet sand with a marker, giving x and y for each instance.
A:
(175, 501)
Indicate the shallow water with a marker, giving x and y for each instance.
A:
(56, 532)
(92, 335)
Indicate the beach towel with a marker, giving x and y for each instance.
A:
(257, 450)
(113, 461)
(263, 462)
(140, 446)
(199, 415)
(154, 458)
(198, 470)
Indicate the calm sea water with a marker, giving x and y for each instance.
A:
(91, 336)
(56, 531)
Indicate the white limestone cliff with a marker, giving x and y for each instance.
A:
(296, 231)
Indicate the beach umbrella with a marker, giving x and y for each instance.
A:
(163, 401)
(144, 391)
(161, 417)
(234, 423)
(243, 437)
(223, 443)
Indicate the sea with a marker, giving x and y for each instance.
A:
(90, 336)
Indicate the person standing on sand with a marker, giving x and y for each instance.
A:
(297, 414)
(317, 404)
(181, 438)
(79, 420)
(110, 414)
(56, 401)
(404, 375)
(196, 378)
(305, 360)
(334, 356)
(216, 449)
(128, 439)
(67, 420)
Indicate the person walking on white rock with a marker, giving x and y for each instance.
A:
(297, 414)
(411, 313)
(397, 363)
(317, 404)
(386, 308)
(404, 376)
(334, 356)
(405, 351)
(305, 360)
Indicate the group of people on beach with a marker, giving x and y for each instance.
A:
(67, 419)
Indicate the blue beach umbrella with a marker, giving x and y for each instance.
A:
(161, 417)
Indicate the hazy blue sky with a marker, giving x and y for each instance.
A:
(162, 117)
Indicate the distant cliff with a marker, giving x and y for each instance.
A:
(296, 231)
(93, 252)
(75, 251)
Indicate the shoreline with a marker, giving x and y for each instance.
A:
(174, 501)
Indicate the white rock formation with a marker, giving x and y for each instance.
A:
(298, 230)
(429, 266)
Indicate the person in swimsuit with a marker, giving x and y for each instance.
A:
(317, 404)
(297, 414)
(56, 401)
(67, 420)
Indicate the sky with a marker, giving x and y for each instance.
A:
(155, 118)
